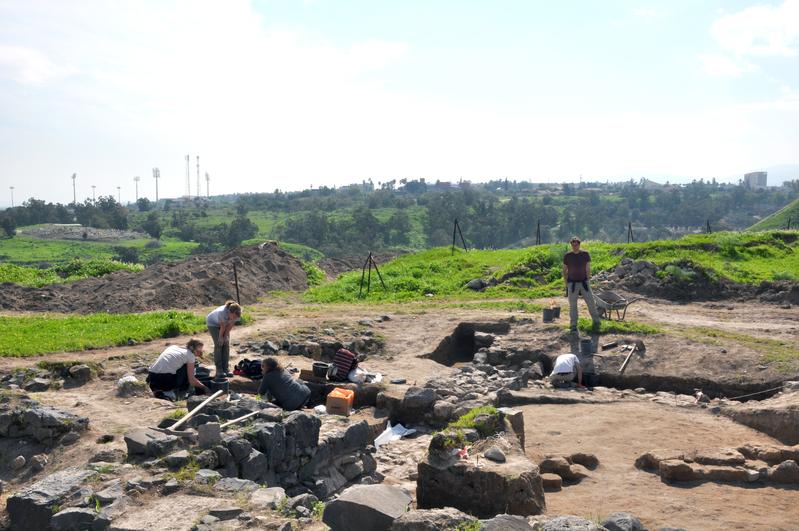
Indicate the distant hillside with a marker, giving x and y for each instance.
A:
(779, 219)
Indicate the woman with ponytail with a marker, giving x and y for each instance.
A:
(220, 322)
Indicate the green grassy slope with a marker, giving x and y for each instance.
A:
(536, 271)
(779, 219)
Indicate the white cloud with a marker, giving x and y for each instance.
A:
(28, 66)
(645, 13)
(760, 30)
(724, 66)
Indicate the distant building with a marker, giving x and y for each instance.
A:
(756, 179)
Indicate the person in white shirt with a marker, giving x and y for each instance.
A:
(173, 371)
(220, 322)
(566, 366)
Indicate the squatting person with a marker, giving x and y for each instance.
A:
(567, 366)
(173, 371)
(287, 392)
(220, 322)
(576, 273)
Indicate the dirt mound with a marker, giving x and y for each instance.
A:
(686, 282)
(73, 231)
(199, 281)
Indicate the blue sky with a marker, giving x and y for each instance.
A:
(287, 94)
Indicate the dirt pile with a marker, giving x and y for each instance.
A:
(77, 232)
(199, 281)
(685, 282)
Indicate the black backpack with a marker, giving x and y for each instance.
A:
(249, 368)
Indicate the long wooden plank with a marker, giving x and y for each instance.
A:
(196, 410)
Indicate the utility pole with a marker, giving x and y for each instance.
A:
(156, 176)
(94, 199)
(119, 195)
(12, 196)
(74, 195)
(136, 180)
(188, 176)
(199, 193)
(207, 185)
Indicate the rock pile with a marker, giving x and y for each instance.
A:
(44, 424)
(746, 464)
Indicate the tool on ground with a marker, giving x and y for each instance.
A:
(610, 345)
(194, 411)
(236, 421)
(626, 361)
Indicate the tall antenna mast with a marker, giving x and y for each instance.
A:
(74, 195)
(207, 185)
(12, 194)
(188, 177)
(136, 180)
(199, 193)
(156, 176)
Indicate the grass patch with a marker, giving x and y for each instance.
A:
(467, 421)
(42, 334)
(617, 327)
(318, 510)
(783, 354)
(188, 472)
(535, 272)
(76, 269)
(177, 414)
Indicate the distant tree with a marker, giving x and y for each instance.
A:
(9, 225)
(143, 204)
(152, 225)
(241, 228)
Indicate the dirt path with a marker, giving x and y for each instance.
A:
(618, 433)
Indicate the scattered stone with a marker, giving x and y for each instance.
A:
(70, 438)
(79, 375)
(37, 385)
(505, 522)
(108, 456)
(495, 454)
(570, 523)
(268, 498)
(431, 520)
(235, 485)
(207, 477)
(209, 435)
(105, 438)
(207, 459)
(208, 519)
(31, 508)
(38, 462)
(785, 472)
(226, 513)
(152, 443)
(623, 522)
(128, 385)
(551, 482)
(170, 487)
(18, 462)
(177, 459)
(360, 507)
(110, 494)
(73, 518)
(589, 461)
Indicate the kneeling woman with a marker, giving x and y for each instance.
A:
(288, 392)
(173, 371)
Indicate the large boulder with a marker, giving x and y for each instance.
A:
(32, 508)
(72, 519)
(149, 442)
(623, 522)
(362, 507)
(431, 520)
(513, 487)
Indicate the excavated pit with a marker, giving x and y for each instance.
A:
(465, 340)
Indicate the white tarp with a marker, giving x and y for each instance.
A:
(392, 433)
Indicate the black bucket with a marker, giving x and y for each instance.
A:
(586, 347)
(220, 384)
(549, 315)
(556, 311)
(320, 369)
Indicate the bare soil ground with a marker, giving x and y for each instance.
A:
(617, 433)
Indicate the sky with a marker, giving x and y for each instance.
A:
(290, 94)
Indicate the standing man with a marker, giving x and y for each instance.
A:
(576, 273)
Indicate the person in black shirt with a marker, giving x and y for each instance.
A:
(577, 273)
(287, 392)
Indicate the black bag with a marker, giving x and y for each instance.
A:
(249, 368)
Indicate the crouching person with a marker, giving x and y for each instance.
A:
(286, 391)
(173, 372)
(567, 366)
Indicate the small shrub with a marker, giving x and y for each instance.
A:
(188, 472)
(468, 420)
(473, 525)
(785, 275)
(679, 274)
(318, 510)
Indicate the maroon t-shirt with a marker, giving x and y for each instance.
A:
(575, 265)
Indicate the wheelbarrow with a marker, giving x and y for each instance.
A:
(610, 301)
